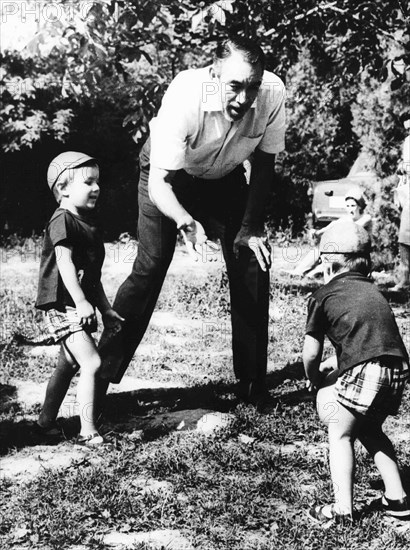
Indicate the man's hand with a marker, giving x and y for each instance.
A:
(257, 243)
(112, 321)
(196, 241)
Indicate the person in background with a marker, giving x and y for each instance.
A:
(355, 205)
(370, 375)
(402, 201)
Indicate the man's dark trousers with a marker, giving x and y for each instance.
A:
(219, 204)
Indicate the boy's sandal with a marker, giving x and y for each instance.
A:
(398, 509)
(92, 440)
(326, 514)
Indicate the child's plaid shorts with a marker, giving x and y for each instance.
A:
(374, 387)
(61, 324)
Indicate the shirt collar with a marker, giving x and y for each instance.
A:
(349, 274)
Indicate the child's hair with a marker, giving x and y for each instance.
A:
(350, 262)
(67, 177)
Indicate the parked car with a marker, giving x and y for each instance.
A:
(328, 202)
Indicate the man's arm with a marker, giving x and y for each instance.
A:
(110, 317)
(262, 173)
(162, 195)
(251, 233)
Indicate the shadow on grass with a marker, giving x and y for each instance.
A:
(8, 396)
(156, 412)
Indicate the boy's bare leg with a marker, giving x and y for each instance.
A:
(57, 388)
(82, 346)
(342, 431)
(380, 448)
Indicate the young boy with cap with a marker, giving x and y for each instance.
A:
(70, 289)
(372, 369)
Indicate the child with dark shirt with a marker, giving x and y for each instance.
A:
(70, 289)
(371, 372)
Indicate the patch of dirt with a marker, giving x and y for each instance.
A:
(28, 463)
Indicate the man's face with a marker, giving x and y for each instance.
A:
(406, 124)
(239, 83)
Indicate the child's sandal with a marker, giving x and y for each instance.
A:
(326, 514)
(91, 441)
(398, 509)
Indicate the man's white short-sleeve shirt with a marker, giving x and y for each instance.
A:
(191, 131)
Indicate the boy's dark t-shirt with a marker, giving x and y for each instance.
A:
(88, 254)
(356, 318)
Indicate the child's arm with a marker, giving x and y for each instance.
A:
(110, 317)
(312, 355)
(66, 268)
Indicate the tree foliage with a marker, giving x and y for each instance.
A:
(94, 76)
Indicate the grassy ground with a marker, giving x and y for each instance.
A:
(244, 487)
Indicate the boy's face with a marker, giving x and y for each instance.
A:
(353, 209)
(83, 190)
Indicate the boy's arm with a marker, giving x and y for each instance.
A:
(312, 355)
(68, 273)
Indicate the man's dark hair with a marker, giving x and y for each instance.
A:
(251, 52)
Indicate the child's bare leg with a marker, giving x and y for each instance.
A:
(342, 429)
(82, 347)
(380, 448)
(57, 388)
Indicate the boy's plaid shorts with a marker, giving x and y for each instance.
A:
(61, 324)
(374, 387)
